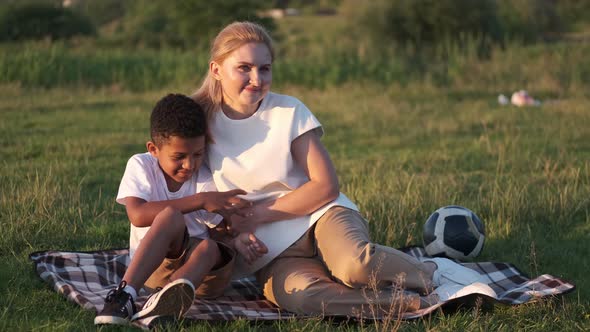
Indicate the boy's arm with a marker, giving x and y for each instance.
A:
(142, 213)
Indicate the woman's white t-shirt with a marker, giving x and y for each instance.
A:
(254, 154)
(144, 179)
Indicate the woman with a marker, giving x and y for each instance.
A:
(321, 259)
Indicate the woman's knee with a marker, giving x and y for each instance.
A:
(299, 291)
(359, 270)
(293, 285)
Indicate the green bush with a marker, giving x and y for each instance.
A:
(573, 12)
(186, 23)
(42, 20)
(528, 20)
(423, 23)
(101, 11)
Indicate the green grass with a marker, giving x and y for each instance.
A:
(400, 151)
(407, 134)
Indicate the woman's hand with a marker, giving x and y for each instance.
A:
(224, 203)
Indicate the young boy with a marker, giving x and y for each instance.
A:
(171, 202)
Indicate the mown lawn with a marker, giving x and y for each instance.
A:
(401, 152)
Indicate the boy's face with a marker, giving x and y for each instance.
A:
(179, 158)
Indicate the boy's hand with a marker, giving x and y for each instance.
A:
(224, 203)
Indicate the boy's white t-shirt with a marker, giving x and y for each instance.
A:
(254, 154)
(144, 179)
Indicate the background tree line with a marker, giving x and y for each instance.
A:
(191, 23)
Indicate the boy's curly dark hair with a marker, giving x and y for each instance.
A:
(177, 115)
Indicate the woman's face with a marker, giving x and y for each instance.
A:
(245, 77)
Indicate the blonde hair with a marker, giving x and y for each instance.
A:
(232, 37)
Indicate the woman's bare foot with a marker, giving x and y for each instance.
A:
(248, 245)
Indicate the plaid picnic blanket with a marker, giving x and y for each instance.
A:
(86, 277)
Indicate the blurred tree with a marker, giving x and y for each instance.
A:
(99, 11)
(39, 20)
(423, 23)
(186, 23)
(573, 12)
(529, 20)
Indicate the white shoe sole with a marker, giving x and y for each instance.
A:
(448, 271)
(111, 320)
(447, 292)
(173, 300)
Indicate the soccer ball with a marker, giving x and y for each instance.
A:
(454, 232)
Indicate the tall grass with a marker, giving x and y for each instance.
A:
(544, 68)
(57, 65)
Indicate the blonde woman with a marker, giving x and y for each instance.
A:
(320, 258)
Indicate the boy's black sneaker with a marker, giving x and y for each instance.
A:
(118, 307)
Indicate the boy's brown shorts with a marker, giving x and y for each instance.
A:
(214, 282)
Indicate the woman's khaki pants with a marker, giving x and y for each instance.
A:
(335, 269)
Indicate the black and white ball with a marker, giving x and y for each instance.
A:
(454, 232)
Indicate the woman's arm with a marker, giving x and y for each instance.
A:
(142, 213)
(322, 187)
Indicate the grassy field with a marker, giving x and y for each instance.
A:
(406, 137)
(400, 153)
